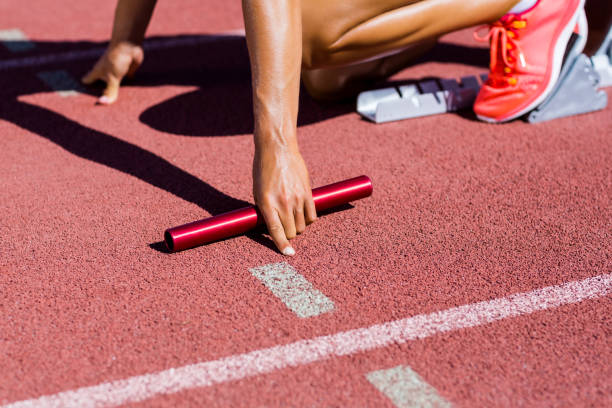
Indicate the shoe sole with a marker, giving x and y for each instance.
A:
(559, 53)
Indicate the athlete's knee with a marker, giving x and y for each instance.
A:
(321, 86)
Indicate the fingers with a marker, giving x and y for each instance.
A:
(277, 231)
(284, 224)
(310, 211)
(287, 217)
(118, 61)
(282, 192)
(132, 69)
(298, 215)
(92, 76)
(137, 58)
(111, 92)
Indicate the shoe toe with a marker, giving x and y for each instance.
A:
(498, 104)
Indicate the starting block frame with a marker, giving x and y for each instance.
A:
(602, 61)
(429, 97)
(577, 91)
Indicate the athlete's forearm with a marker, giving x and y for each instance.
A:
(131, 20)
(274, 38)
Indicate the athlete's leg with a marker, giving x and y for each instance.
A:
(342, 82)
(348, 42)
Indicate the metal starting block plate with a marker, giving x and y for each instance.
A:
(428, 97)
(603, 65)
(602, 60)
(576, 92)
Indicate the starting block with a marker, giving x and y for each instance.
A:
(430, 97)
(577, 91)
(602, 61)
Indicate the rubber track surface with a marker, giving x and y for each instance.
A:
(463, 212)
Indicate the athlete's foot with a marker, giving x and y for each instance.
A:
(527, 51)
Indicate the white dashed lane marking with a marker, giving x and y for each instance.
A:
(61, 82)
(250, 364)
(406, 388)
(293, 289)
(15, 40)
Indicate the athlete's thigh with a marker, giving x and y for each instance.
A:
(339, 32)
(325, 21)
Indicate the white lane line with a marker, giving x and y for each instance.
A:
(293, 289)
(15, 40)
(236, 367)
(61, 82)
(406, 388)
(149, 45)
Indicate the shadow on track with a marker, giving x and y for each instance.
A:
(118, 154)
(220, 107)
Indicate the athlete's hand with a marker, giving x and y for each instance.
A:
(119, 60)
(281, 188)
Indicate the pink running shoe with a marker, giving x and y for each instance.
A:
(527, 51)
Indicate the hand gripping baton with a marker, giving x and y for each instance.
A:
(244, 219)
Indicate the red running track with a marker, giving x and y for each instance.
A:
(463, 212)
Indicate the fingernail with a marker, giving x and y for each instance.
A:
(105, 100)
(289, 251)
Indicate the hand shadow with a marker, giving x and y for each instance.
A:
(103, 148)
(88, 143)
(218, 64)
(117, 154)
(221, 106)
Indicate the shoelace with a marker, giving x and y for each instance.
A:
(503, 36)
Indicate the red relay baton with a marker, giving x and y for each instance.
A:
(244, 219)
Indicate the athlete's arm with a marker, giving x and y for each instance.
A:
(124, 54)
(281, 185)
